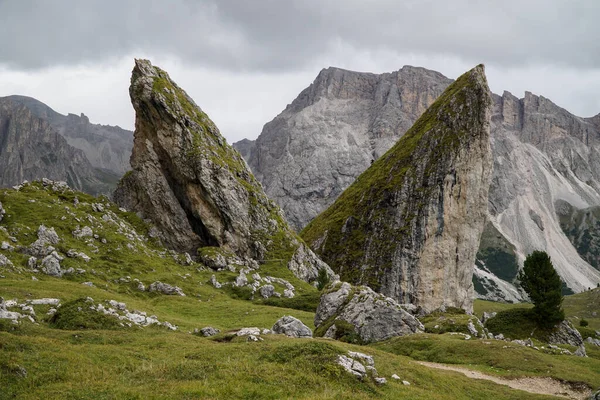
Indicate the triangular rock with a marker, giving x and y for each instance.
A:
(409, 226)
(196, 189)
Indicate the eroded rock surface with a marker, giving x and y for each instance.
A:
(372, 316)
(194, 187)
(409, 227)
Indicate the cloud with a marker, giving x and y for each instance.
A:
(274, 35)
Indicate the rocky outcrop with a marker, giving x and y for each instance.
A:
(409, 226)
(106, 147)
(194, 187)
(30, 149)
(345, 311)
(331, 133)
(565, 333)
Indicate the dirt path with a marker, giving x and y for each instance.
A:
(546, 386)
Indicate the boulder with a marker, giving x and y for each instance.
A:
(371, 316)
(51, 265)
(2, 212)
(267, 291)
(5, 262)
(565, 333)
(292, 327)
(165, 288)
(209, 331)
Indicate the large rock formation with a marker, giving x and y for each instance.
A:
(332, 132)
(543, 155)
(409, 226)
(196, 188)
(106, 147)
(31, 149)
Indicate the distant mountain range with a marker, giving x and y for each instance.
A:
(544, 157)
(37, 142)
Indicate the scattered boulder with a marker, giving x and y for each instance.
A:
(248, 331)
(487, 315)
(46, 237)
(214, 282)
(32, 263)
(51, 265)
(209, 331)
(593, 341)
(241, 279)
(360, 365)
(84, 232)
(371, 316)
(267, 291)
(6, 246)
(2, 212)
(565, 333)
(380, 381)
(580, 352)
(352, 366)
(44, 301)
(292, 327)
(75, 254)
(165, 288)
(5, 262)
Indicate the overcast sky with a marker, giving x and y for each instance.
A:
(243, 61)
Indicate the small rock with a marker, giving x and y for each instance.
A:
(362, 357)
(288, 294)
(5, 262)
(396, 377)
(593, 341)
(165, 288)
(51, 265)
(406, 383)
(248, 331)
(486, 316)
(292, 327)
(90, 284)
(32, 263)
(44, 301)
(580, 352)
(499, 337)
(380, 381)
(241, 280)
(253, 338)
(214, 282)
(472, 330)
(209, 331)
(267, 291)
(6, 246)
(141, 287)
(84, 232)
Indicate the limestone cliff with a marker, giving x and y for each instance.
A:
(106, 147)
(332, 132)
(31, 149)
(409, 226)
(196, 188)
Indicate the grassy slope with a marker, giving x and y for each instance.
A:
(156, 363)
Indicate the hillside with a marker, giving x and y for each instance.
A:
(55, 358)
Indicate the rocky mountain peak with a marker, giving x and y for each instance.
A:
(194, 187)
(410, 225)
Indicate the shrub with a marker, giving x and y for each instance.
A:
(583, 323)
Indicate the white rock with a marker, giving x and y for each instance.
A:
(248, 331)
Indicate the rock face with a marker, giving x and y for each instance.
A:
(195, 188)
(331, 133)
(106, 147)
(30, 148)
(409, 226)
(545, 162)
(373, 317)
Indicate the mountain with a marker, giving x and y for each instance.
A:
(310, 153)
(196, 188)
(30, 148)
(332, 132)
(409, 226)
(106, 147)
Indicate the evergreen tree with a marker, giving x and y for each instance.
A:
(543, 285)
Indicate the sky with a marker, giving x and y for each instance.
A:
(243, 61)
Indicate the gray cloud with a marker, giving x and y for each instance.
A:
(269, 35)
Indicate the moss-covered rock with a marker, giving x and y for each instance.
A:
(409, 226)
(196, 189)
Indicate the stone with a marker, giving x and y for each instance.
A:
(44, 301)
(499, 337)
(5, 262)
(580, 352)
(2, 212)
(84, 232)
(565, 333)
(424, 225)
(352, 366)
(396, 377)
(165, 288)
(90, 284)
(406, 383)
(292, 327)
(288, 294)
(241, 279)
(364, 358)
(253, 338)
(380, 381)
(51, 265)
(32, 263)
(487, 315)
(208, 196)
(141, 287)
(472, 330)
(118, 305)
(6, 246)
(214, 282)
(267, 291)
(248, 331)
(209, 331)
(374, 317)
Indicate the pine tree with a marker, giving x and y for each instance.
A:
(543, 285)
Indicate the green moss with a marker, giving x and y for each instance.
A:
(76, 315)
